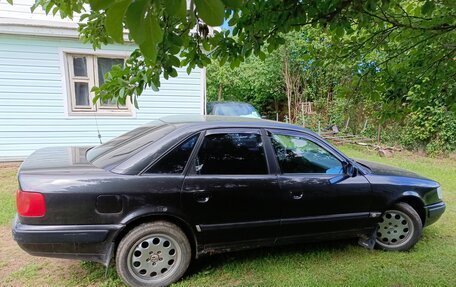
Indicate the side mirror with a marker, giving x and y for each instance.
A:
(349, 169)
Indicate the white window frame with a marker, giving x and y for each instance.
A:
(92, 79)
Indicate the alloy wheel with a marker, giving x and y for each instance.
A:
(154, 257)
(394, 229)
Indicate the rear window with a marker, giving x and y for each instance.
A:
(126, 145)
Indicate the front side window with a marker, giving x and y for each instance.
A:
(174, 162)
(83, 73)
(231, 154)
(299, 155)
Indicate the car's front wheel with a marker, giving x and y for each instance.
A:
(399, 228)
(153, 254)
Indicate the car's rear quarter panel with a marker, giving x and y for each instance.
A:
(73, 197)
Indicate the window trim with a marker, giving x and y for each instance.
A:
(68, 87)
(308, 137)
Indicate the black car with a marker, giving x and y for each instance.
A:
(177, 188)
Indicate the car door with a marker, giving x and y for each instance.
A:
(229, 192)
(318, 198)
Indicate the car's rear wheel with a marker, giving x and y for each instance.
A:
(153, 254)
(399, 228)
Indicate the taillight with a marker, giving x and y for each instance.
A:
(30, 204)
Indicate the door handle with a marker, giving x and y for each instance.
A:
(201, 196)
(202, 199)
(296, 194)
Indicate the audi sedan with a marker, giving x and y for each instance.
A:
(177, 188)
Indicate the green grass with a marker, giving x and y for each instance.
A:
(432, 262)
(8, 186)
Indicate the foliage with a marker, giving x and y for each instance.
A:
(170, 34)
(391, 62)
(409, 97)
(255, 81)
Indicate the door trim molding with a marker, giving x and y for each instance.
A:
(263, 223)
(331, 217)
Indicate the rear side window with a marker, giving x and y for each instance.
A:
(231, 153)
(174, 162)
(299, 155)
(126, 145)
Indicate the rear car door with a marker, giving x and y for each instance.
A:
(229, 191)
(319, 199)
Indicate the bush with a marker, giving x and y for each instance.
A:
(432, 129)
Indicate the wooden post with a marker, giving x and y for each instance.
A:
(365, 126)
(219, 94)
(346, 124)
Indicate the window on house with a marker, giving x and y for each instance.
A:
(84, 72)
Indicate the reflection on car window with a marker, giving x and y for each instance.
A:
(231, 153)
(175, 161)
(299, 155)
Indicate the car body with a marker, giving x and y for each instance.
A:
(227, 183)
(233, 109)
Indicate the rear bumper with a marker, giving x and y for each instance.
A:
(82, 242)
(433, 212)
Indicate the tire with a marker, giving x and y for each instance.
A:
(153, 254)
(399, 228)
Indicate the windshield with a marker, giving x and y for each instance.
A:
(236, 109)
(127, 144)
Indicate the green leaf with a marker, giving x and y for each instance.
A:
(233, 3)
(428, 7)
(174, 61)
(261, 55)
(10, 1)
(173, 73)
(371, 5)
(211, 11)
(154, 35)
(135, 19)
(100, 4)
(176, 7)
(113, 22)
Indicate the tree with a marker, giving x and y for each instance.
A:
(410, 98)
(170, 33)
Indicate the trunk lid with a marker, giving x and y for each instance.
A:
(57, 160)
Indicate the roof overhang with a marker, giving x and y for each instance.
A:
(33, 27)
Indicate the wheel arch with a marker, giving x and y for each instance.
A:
(149, 217)
(416, 203)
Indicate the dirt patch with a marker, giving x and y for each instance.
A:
(9, 164)
(17, 268)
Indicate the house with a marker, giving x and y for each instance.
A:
(46, 75)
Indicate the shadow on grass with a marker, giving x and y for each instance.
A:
(207, 263)
(215, 261)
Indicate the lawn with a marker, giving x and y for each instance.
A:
(432, 262)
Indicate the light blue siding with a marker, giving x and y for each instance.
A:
(32, 99)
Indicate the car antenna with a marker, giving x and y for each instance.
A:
(98, 130)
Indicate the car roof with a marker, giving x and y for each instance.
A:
(211, 121)
(228, 102)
